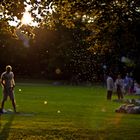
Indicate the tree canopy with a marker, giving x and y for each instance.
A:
(105, 19)
(110, 28)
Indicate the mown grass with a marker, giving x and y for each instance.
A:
(85, 114)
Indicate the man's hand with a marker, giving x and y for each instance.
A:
(12, 88)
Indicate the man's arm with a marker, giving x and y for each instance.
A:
(13, 81)
(2, 81)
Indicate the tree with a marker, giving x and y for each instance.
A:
(113, 26)
(104, 18)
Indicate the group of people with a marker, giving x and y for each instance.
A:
(8, 85)
(119, 85)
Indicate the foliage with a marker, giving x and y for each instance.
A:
(107, 29)
(10, 9)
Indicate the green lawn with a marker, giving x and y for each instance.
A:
(71, 113)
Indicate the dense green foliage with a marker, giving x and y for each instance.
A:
(84, 114)
(85, 34)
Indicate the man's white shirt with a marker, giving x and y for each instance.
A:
(8, 79)
(110, 83)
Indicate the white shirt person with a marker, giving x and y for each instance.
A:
(110, 87)
(8, 84)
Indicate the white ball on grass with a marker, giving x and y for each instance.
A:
(19, 90)
(45, 102)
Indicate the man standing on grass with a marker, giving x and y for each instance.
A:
(8, 84)
(110, 86)
(119, 86)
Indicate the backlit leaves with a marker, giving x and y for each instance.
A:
(103, 18)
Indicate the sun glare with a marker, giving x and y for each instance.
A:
(27, 19)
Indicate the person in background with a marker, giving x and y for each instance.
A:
(119, 87)
(110, 86)
(131, 90)
(126, 84)
(8, 84)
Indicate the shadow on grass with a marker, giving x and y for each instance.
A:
(4, 133)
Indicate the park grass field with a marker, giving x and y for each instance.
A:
(69, 113)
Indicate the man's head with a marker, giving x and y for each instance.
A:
(109, 73)
(119, 76)
(8, 68)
